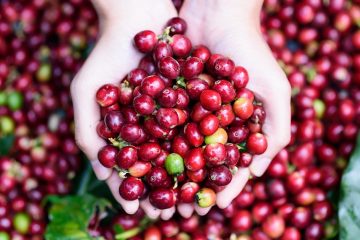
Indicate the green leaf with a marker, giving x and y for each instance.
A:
(349, 205)
(70, 216)
(6, 142)
(118, 229)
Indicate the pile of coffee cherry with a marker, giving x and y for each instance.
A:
(317, 43)
(42, 45)
(181, 124)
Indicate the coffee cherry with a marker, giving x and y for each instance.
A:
(195, 87)
(114, 120)
(145, 41)
(256, 143)
(192, 67)
(167, 117)
(193, 134)
(136, 76)
(174, 164)
(162, 198)
(126, 157)
(220, 136)
(210, 100)
(194, 159)
(239, 77)
(152, 85)
(156, 177)
(188, 192)
(201, 52)
(139, 169)
(232, 154)
(274, 226)
(107, 156)
(107, 95)
(130, 132)
(205, 197)
(21, 223)
(243, 108)
(215, 154)
(225, 89)
(177, 25)
(168, 98)
(225, 115)
(144, 104)
(209, 124)
(224, 67)
(220, 175)
(149, 151)
(241, 221)
(131, 188)
(161, 50)
(169, 67)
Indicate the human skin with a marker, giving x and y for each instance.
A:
(232, 29)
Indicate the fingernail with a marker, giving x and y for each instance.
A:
(185, 209)
(223, 205)
(130, 208)
(167, 213)
(259, 166)
(101, 172)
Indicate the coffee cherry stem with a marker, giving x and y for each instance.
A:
(291, 168)
(165, 36)
(118, 143)
(242, 147)
(128, 234)
(143, 225)
(35, 142)
(176, 183)
(234, 170)
(122, 172)
(180, 81)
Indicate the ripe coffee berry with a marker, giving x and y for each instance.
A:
(131, 188)
(145, 41)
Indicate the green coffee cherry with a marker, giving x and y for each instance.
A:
(43, 74)
(205, 197)
(3, 98)
(15, 100)
(4, 236)
(7, 125)
(174, 164)
(22, 223)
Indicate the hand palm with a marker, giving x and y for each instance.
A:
(112, 58)
(224, 32)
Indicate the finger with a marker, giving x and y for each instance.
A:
(101, 172)
(185, 209)
(114, 182)
(87, 116)
(83, 90)
(277, 131)
(151, 211)
(201, 211)
(166, 214)
(225, 197)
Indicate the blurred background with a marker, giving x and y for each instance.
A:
(310, 190)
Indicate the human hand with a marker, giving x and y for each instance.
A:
(111, 59)
(233, 30)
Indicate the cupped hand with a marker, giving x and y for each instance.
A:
(232, 28)
(112, 58)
